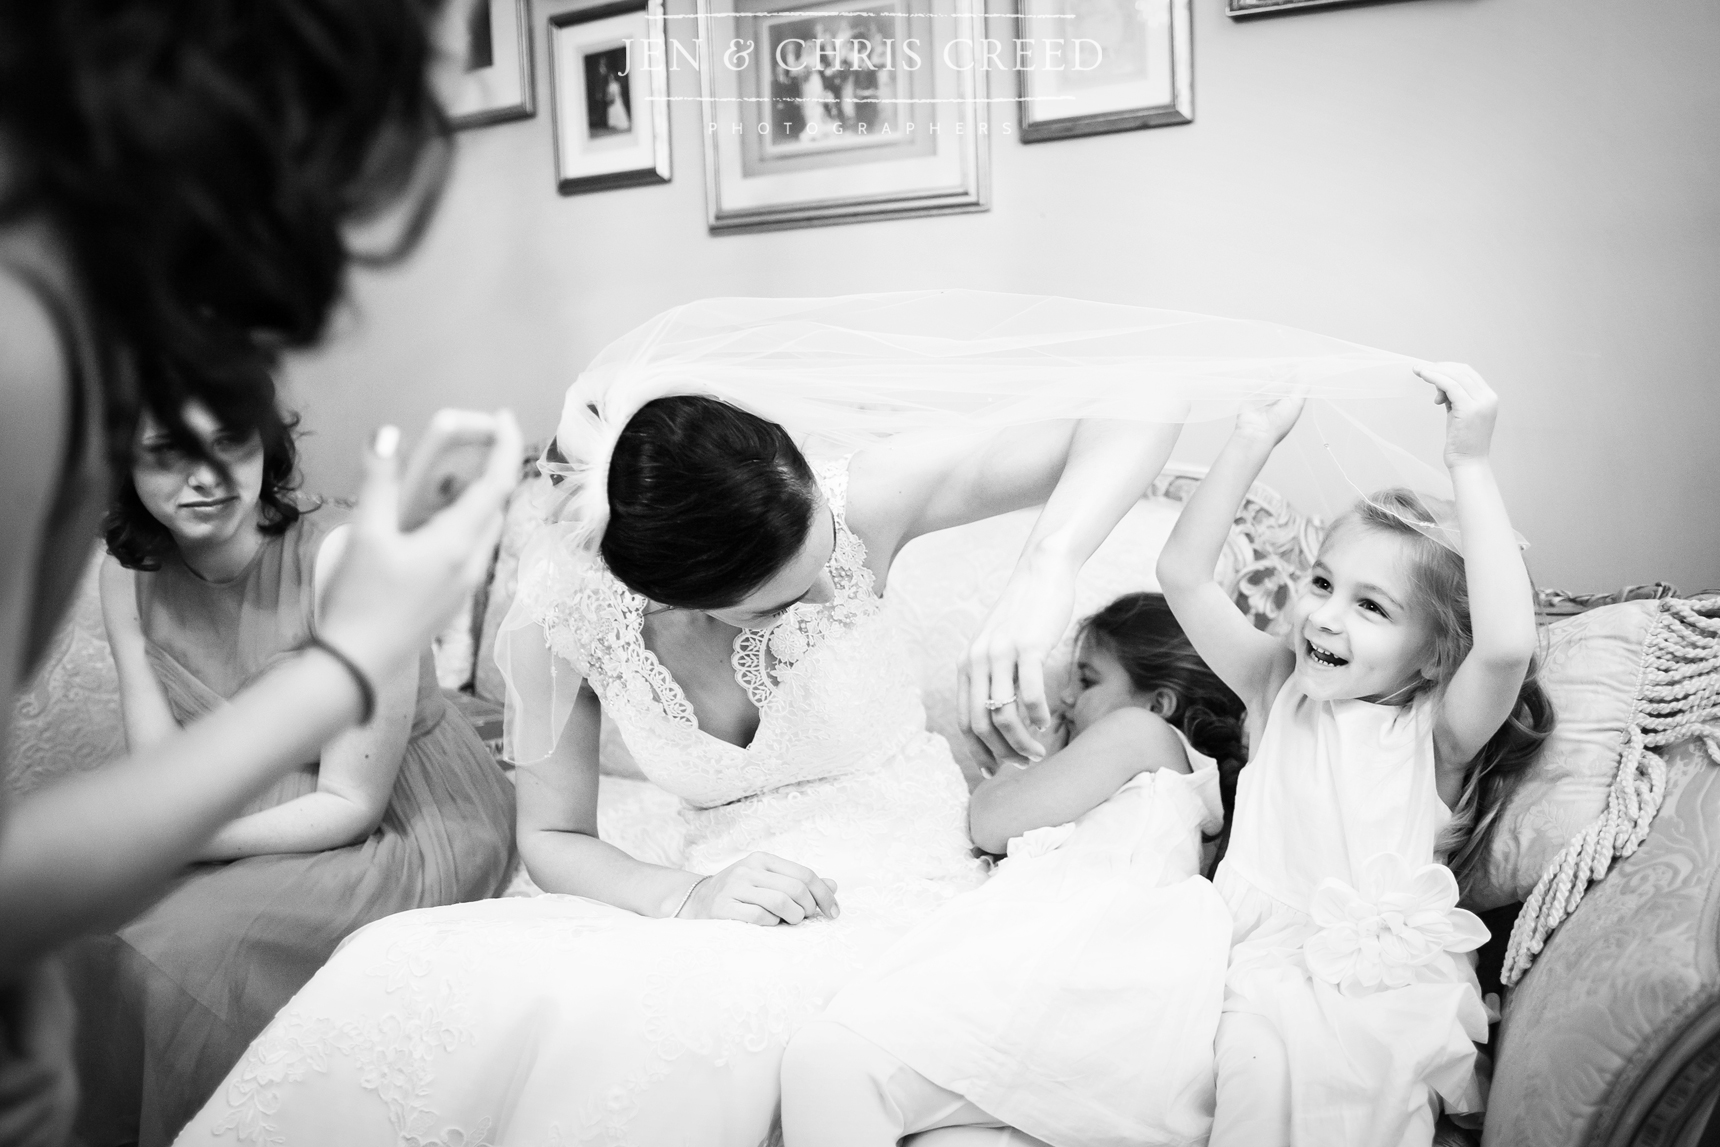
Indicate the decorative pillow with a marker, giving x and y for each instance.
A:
(1591, 667)
(67, 720)
(453, 649)
(1550, 603)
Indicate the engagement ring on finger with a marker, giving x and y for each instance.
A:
(994, 706)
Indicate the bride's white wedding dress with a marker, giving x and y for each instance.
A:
(561, 1020)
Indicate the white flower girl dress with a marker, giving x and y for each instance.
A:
(1349, 941)
(1076, 994)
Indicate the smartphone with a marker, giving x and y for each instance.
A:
(453, 452)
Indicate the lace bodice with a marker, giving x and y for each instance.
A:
(836, 697)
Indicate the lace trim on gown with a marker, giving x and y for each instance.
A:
(671, 1032)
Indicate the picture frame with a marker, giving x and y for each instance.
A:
(1239, 9)
(820, 112)
(491, 80)
(610, 96)
(1098, 66)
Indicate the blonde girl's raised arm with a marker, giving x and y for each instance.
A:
(1252, 663)
(1483, 691)
(143, 704)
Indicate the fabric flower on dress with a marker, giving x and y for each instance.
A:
(1400, 920)
(1039, 841)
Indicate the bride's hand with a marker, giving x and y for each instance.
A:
(1007, 662)
(763, 889)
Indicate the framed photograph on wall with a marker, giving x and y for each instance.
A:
(492, 50)
(825, 111)
(1236, 8)
(1093, 66)
(611, 96)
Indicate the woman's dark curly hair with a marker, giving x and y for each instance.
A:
(706, 502)
(202, 159)
(139, 541)
(1139, 630)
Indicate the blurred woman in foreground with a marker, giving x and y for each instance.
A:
(176, 180)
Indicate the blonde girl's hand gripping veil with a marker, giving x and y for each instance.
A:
(1483, 692)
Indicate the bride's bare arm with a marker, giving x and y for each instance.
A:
(1087, 474)
(557, 815)
(556, 812)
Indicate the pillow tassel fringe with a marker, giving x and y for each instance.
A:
(1678, 699)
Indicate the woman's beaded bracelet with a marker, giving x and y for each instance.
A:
(691, 888)
(366, 691)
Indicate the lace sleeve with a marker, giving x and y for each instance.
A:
(540, 684)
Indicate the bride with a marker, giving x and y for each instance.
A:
(718, 595)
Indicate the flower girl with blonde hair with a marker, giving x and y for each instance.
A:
(1383, 727)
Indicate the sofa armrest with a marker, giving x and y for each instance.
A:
(1613, 1037)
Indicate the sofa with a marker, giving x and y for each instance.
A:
(1613, 1035)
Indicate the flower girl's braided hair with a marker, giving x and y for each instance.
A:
(1441, 593)
(1139, 630)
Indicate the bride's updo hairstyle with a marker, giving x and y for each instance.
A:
(706, 502)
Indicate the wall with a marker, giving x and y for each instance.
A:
(1526, 185)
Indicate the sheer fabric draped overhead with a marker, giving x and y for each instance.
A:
(843, 371)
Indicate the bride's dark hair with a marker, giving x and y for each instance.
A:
(706, 502)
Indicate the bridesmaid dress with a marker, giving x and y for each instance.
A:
(169, 1002)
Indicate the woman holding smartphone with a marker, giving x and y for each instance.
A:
(177, 180)
(214, 574)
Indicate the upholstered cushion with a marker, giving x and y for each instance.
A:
(1613, 1037)
(1551, 603)
(455, 648)
(67, 720)
(1590, 668)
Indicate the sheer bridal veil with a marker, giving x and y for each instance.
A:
(840, 372)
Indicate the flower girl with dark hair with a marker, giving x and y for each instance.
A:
(1074, 996)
